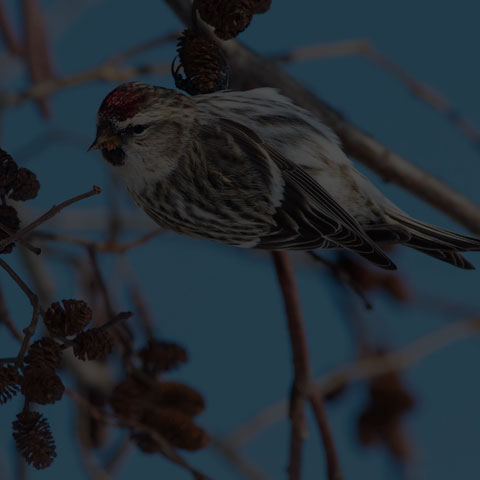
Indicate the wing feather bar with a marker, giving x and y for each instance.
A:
(323, 213)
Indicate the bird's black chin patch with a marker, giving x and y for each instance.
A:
(115, 157)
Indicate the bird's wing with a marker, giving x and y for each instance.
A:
(308, 217)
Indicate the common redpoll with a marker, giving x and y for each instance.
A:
(253, 170)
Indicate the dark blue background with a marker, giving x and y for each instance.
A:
(223, 303)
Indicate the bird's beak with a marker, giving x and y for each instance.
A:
(105, 140)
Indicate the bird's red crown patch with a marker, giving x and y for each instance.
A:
(122, 103)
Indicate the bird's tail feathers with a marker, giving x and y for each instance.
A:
(435, 241)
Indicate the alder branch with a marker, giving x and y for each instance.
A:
(37, 310)
(46, 216)
(32, 298)
(122, 331)
(108, 71)
(250, 70)
(343, 275)
(143, 47)
(21, 241)
(365, 369)
(303, 385)
(140, 304)
(237, 461)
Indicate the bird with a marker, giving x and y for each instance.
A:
(252, 169)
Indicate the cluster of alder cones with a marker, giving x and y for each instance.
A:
(35, 374)
(203, 62)
(145, 402)
(149, 405)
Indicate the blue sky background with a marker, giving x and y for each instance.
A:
(223, 304)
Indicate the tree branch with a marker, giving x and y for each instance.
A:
(108, 247)
(303, 385)
(46, 216)
(110, 71)
(6, 319)
(365, 369)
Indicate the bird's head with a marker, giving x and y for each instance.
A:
(137, 120)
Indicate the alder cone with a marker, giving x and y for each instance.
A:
(202, 63)
(9, 383)
(176, 427)
(33, 439)
(69, 320)
(229, 18)
(42, 386)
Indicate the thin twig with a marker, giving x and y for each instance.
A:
(29, 332)
(106, 73)
(107, 247)
(301, 365)
(46, 216)
(120, 317)
(120, 453)
(236, 460)
(143, 47)
(109, 71)
(343, 275)
(143, 312)
(365, 369)
(21, 241)
(6, 320)
(31, 296)
(123, 332)
(92, 255)
(303, 385)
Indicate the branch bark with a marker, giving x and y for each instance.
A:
(303, 385)
(365, 369)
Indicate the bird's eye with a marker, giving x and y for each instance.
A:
(138, 129)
